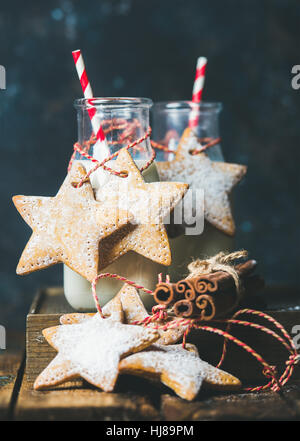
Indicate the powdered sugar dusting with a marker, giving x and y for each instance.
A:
(181, 369)
(148, 203)
(134, 311)
(92, 350)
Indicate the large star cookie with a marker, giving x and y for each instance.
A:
(134, 311)
(68, 227)
(92, 350)
(180, 369)
(149, 204)
(217, 179)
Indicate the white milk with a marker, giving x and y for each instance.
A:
(141, 270)
(186, 248)
(132, 265)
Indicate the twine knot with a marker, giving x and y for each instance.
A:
(294, 359)
(159, 311)
(219, 262)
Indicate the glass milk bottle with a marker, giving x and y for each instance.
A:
(169, 120)
(124, 120)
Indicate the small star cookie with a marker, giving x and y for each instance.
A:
(68, 227)
(92, 350)
(180, 369)
(217, 179)
(149, 204)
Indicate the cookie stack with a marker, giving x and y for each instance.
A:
(99, 349)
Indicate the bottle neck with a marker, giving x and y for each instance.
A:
(124, 121)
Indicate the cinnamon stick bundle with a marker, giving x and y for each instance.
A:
(207, 295)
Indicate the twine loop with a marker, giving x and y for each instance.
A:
(205, 143)
(82, 150)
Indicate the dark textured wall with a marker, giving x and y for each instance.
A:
(149, 48)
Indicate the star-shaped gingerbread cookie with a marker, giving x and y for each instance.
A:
(92, 350)
(149, 204)
(68, 227)
(134, 311)
(180, 369)
(217, 179)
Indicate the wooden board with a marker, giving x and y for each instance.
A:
(10, 363)
(244, 407)
(137, 399)
(44, 312)
(78, 401)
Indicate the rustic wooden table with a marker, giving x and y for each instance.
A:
(135, 399)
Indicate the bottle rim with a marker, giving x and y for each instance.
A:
(113, 102)
(185, 105)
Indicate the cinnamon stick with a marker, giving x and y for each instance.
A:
(206, 307)
(165, 293)
(185, 287)
(184, 308)
(212, 295)
(221, 280)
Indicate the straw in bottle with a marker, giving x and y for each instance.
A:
(101, 149)
(197, 91)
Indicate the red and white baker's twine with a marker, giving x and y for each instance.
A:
(206, 143)
(160, 313)
(78, 148)
(117, 277)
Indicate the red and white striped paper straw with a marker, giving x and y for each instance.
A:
(100, 150)
(197, 90)
(87, 92)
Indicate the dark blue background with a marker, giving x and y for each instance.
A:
(149, 48)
